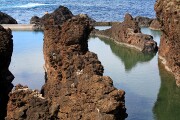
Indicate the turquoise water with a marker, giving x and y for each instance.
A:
(100, 10)
(151, 93)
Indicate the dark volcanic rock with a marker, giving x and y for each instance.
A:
(155, 25)
(143, 21)
(27, 104)
(6, 77)
(74, 75)
(59, 16)
(168, 14)
(128, 32)
(6, 19)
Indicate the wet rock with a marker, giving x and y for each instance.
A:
(155, 25)
(6, 19)
(74, 75)
(143, 21)
(27, 104)
(6, 77)
(168, 15)
(128, 33)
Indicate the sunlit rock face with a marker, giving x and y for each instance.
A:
(27, 104)
(128, 32)
(168, 14)
(74, 74)
(6, 77)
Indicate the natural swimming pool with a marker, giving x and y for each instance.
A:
(151, 92)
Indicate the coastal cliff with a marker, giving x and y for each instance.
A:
(6, 77)
(74, 74)
(128, 33)
(168, 14)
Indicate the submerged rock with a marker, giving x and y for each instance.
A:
(168, 15)
(6, 19)
(128, 32)
(74, 75)
(6, 77)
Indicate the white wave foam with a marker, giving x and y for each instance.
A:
(31, 5)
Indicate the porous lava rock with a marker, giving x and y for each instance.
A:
(60, 15)
(6, 77)
(75, 78)
(27, 104)
(6, 19)
(168, 15)
(155, 25)
(143, 21)
(128, 33)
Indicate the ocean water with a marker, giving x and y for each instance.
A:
(100, 10)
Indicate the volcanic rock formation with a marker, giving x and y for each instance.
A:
(128, 32)
(6, 19)
(59, 16)
(74, 75)
(168, 14)
(143, 21)
(6, 77)
(27, 104)
(155, 25)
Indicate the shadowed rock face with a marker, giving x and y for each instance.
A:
(143, 21)
(128, 32)
(74, 75)
(6, 77)
(168, 14)
(6, 19)
(59, 16)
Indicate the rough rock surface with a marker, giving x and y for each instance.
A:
(155, 25)
(59, 16)
(6, 77)
(143, 21)
(168, 14)
(6, 19)
(74, 75)
(128, 32)
(27, 104)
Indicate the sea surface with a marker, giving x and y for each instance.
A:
(99, 10)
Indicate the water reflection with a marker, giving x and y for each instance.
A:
(167, 106)
(130, 57)
(27, 59)
(141, 83)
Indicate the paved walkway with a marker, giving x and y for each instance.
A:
(19, 27)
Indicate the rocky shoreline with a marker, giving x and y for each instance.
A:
(75, 86)
(128, 33)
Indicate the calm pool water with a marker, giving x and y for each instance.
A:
(150, 90)
(27, 59)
